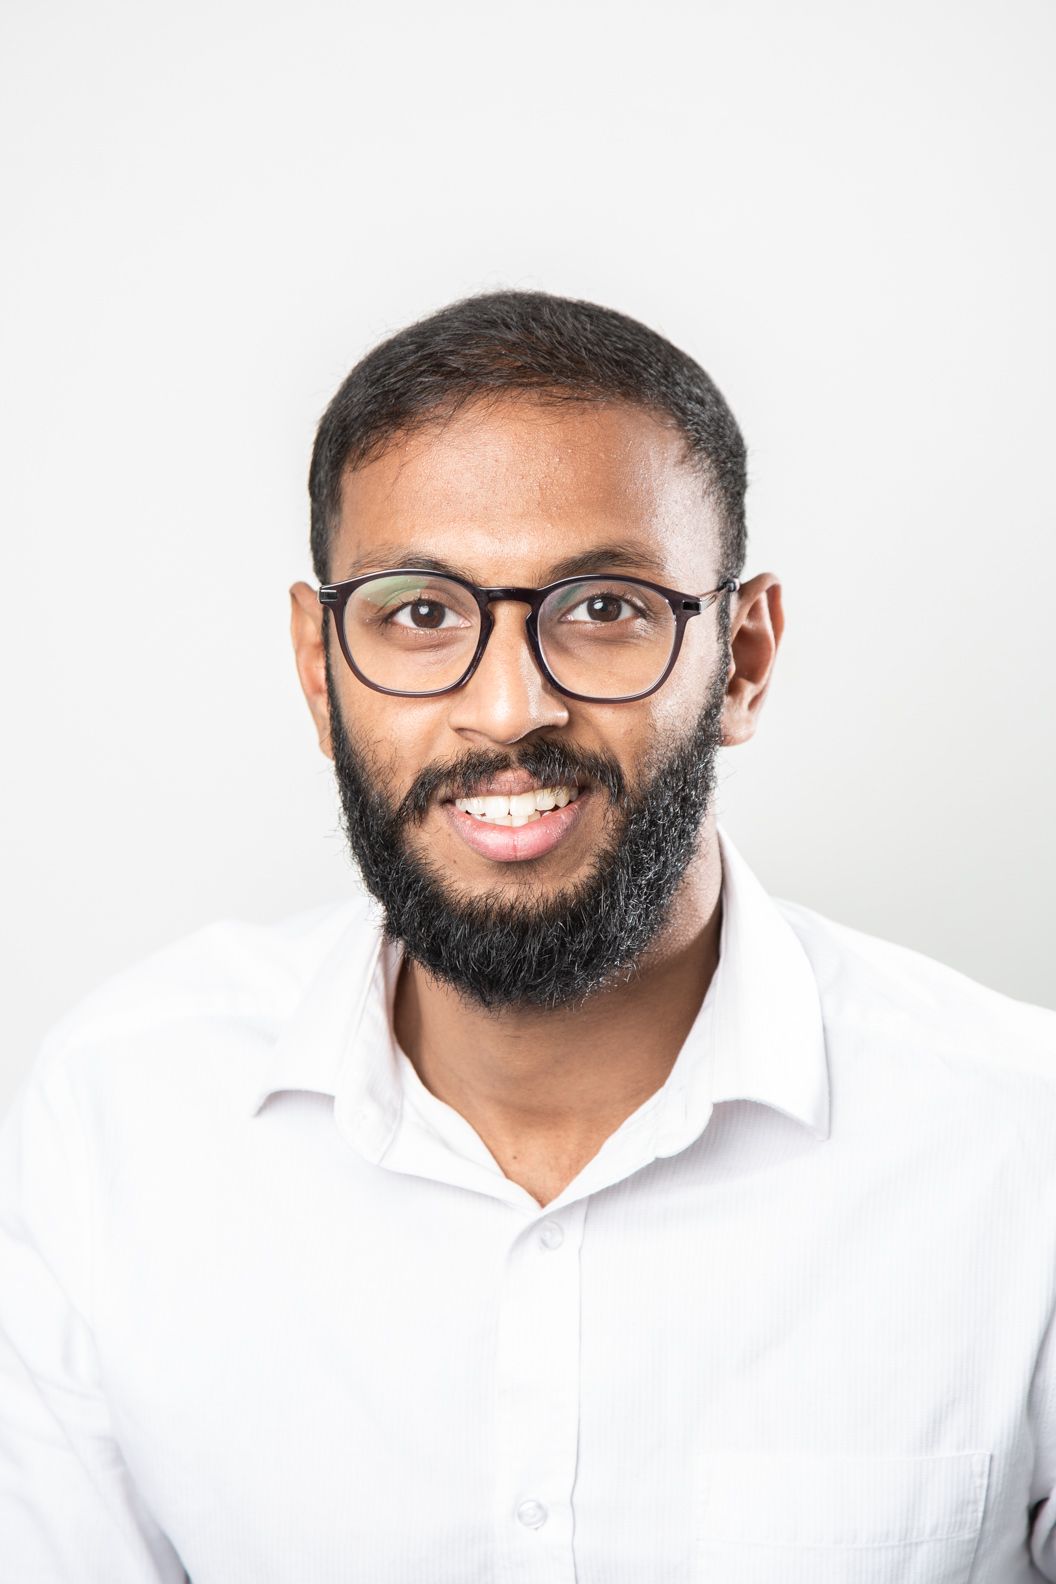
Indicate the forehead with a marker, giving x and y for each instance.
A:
(519, 483)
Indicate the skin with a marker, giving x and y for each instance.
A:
(505, 493)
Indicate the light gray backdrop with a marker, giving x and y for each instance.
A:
(212, 210)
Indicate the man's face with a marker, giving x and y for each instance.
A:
(511, 494)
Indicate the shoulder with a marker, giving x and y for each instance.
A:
(186, 1016)
(879, 993)
(226, 967)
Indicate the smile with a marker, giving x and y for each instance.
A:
(519, 824)
(518, 808)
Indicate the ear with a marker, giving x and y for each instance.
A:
(309, 648)
(756, 624)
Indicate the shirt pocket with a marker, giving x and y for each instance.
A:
(762, 1516)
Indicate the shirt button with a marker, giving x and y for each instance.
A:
(550, 1235)
(532, 1514)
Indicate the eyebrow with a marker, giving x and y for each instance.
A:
(618, 556)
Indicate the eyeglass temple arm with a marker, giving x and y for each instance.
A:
(728, 585)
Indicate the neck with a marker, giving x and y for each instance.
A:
(544, 1089)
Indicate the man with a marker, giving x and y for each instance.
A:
(571, 1210)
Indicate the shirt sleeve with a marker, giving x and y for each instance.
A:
(69, 1511)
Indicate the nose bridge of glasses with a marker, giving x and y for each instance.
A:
(508, 649)
(520, 623)
(512, 596)
(522, 596)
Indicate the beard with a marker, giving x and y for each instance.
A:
(544, 948)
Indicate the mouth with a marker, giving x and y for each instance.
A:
(518, 808)
(492, 820)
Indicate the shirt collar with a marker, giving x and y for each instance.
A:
(769, 1033)
(759, 1037)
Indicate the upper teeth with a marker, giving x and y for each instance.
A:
(519, 807)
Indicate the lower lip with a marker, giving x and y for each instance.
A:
(515, 843)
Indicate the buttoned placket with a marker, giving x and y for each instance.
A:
(537, 1398)
(383, 1108)
(537, 1364)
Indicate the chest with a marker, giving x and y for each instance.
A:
(695, 1375)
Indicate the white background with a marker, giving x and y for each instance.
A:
(844, 211)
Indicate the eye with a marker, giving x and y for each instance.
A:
(602, 608)
(427, 615)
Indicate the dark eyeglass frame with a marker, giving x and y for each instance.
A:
(335, 596)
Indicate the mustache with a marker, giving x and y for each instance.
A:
(551, 763)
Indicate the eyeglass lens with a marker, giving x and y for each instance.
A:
(605, 637)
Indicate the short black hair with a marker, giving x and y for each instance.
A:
(557, 349)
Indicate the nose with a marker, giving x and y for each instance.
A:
(507, 697)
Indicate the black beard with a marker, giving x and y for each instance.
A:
(541, 950)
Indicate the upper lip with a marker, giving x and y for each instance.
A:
(509, 782)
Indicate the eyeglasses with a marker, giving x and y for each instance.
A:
(599, 639)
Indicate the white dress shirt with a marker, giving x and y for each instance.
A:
(270, 1311)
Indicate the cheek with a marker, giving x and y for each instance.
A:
(371, 726)
(397, 737)
(696, 673)
(633, 733)
(648, 731)
(675, 706)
